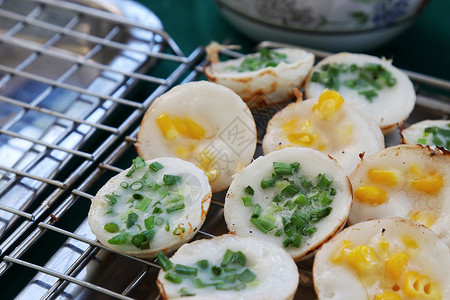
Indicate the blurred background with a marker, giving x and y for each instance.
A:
(424, 47)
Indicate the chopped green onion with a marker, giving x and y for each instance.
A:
(333, 192)
(306, 184)
(239, 258)
(279, 232)
(174, 278)
(137, 185)
(164, 261)
(369, 94)
(247, 201)
(198, 283)
(138, 162)
(320, 213)
(300, 220)
(159, 221)
(249, 190)
(112, 199)
(282, 168)
(167, 226)
(175, 200)
(295, 167)
(171, 179)
(309, 230)
(203, 264)
(268, 182)
(143, 204)
(157, 211)
(119, 239)
(228, 256)
(323, 182)
(183, 292)
(156, 166)
(164, 193)
(289, 229)
(282, 184)
(137, 196)
(149, 222)
(111, 227)
(140, 241)
(247, 276)
(263, 224)
(296, 240)
(290, 190)
(289, 205)
(186, 270)
(324, 200)
(216, 270)
(302, 201)
(124, 184)
(256, 211)
(176, 231)
(287, 242)
(277, 198)
(175, 207)
(230, 278)
(131, 219)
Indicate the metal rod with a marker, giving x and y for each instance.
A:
(58, 115)
(17, 212)
(65, 277)
(56, 183)
(68, 86)
(48, 145)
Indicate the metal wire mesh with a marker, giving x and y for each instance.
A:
(55, 165)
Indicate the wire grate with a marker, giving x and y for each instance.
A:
(60, 152)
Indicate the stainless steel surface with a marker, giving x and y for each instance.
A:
(62, 80)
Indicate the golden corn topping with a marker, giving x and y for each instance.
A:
(174, 127)
(328, 104)
(370, 195)
(390, 272)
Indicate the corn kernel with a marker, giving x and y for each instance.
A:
(303, 139)
(195, 131)
(396, 265)
(180, 126)
(383, 244)
(387, 177)
(430, 184)
(211, 174)
(182, 152)
(414, 169)
(409, 242)
(290, 125)
(340, 253)
(387, 296)
(417, 285)
(424, 217)
(206, 162)
(166, 126)
(328, 104)
(370, 195)
(362, 258)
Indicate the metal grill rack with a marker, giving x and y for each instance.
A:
(74, 129)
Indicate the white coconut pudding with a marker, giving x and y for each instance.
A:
(296, 198)
(391, 258)
(154, 205)
(262, 79)
(373, 84)
(201, 122)
(228, 267)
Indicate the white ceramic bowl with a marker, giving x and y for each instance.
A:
(333, 25)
